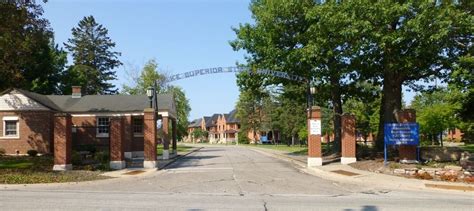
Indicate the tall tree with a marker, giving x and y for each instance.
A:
(29, 58)
(147, 77)
(93, 57)
(403, 42)
(182, 109)
(436, 112)
(292, 112)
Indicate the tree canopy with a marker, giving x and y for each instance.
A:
(29, 57)
(146, 78)
(339, 45)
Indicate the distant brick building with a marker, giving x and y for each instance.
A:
(224, 128)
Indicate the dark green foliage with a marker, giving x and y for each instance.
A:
(182, 110)
(30, 59)
(341, 44)
(243, 138)
(93, 59)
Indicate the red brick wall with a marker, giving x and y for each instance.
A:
(62, 139)
(86, 132)
(35, 131)
(89, 135)
(348, 136)
(128, 133)
(137, 144)
(314, 141)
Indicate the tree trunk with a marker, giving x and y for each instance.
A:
(337, 106)
(441, 139)
(391, 103)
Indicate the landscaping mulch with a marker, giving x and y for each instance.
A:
(29, 170)
(429, 171)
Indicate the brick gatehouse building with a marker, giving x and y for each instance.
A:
(49, 123)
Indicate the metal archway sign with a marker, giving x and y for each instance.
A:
(215, 70)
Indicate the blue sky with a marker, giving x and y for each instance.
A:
(182, 35)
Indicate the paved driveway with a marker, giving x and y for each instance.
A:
(226, 178)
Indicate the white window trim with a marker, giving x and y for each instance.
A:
(101, 135)
(11, 118)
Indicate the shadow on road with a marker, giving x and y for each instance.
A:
(189, 161)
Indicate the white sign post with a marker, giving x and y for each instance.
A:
(315, 127)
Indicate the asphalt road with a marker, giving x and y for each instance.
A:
(220, 178)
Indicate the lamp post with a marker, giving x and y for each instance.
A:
(312, 91)
(149, 93)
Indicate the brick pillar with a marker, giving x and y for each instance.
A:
(128, 137)
(174, 135)
(117, 143)
(149, 138)
(314, 137)
(165, 138)
(348, 139)
(62, 142)
(407, 153)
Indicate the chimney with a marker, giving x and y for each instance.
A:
(76, 92)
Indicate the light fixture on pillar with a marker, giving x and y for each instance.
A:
(312, 90)
(149, 94)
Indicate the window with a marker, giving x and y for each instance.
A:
(137, 126)
(103, 126)
(10, 127)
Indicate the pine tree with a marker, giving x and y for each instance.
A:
(91, 48)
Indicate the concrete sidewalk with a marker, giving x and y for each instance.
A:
(347, 174)
(131, 172)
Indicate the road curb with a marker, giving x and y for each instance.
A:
(389, 181)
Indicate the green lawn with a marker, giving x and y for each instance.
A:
(18, 164)
(180, 148)
(28, 170)
(468, 147)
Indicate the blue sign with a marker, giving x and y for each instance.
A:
(264, 139)
(401, 134)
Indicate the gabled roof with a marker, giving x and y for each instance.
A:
(212, 120)
(99, 103)
(195, 123)
(207, 121)
(232, 117)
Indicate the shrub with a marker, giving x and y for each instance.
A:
(2, 151)
(32, 152)
(102, 157)
(394, 165)
(76, 158)
(243, 139)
